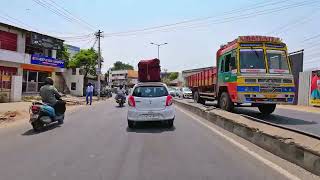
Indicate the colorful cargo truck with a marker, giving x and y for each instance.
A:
(250, 71)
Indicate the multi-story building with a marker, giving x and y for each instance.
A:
(26, 59)
(123, 77)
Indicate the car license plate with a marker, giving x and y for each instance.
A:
(150, 117)
(270, 95)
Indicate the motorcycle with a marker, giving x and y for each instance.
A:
(42, 115)
(121, 100)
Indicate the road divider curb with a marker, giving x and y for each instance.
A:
(294, 147)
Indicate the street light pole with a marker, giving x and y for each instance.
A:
(158, 45)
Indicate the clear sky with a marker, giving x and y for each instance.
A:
(190, 45)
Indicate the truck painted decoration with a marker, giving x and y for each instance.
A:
(249, 69)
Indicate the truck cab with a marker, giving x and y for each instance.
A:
(255, 70)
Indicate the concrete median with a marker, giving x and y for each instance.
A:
(294, 147)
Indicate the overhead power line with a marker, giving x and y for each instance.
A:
(75, 17)
(218, 21)
(61, 13)
(257, 5)
(294, 23)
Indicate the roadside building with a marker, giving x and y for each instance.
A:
(26, 59)
(123, 77)
(72, 50)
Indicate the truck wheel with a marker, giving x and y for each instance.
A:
(225, 102)
(266, 109)
(196, 97)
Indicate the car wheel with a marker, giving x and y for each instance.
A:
(130, 124)
(170, 123)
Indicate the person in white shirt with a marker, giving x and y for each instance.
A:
(89, 93)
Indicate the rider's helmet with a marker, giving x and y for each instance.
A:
(48, 81)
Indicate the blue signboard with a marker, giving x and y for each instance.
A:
(46, 61)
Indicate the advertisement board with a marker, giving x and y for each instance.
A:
(44, 41)
(46, 61)
(315, 88)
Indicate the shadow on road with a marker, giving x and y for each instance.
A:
(274, 118)
(31, 132)
(150, 127)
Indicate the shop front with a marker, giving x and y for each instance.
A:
(33, 77)
(34, 74)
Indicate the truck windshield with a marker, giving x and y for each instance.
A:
(252, 61)
(277, 61)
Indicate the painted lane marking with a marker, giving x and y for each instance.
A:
(244, 148)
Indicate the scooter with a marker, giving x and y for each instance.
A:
(42, 115)
(121, 101)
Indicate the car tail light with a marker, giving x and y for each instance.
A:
(35, 109)
(169, 101)
(131, 101)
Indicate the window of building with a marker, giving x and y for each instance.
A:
(8, 41)
(74, 71)
(48, 52)
(73, 86)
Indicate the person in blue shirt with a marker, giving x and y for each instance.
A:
(89, 93)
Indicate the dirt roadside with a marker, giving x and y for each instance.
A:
(12, 114)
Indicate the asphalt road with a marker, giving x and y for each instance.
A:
(305, 121)
(95, 144)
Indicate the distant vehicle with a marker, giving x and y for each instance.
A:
(250, 69)
(185, 92)
(172, 91)
(121, 101)
(150, 101)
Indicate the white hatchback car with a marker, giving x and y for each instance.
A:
(150, 101)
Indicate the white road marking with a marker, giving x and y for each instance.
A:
(244, 148)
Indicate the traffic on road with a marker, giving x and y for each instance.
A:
(159, 90)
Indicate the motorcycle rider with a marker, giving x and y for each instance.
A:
(50, 95)
(121, 92)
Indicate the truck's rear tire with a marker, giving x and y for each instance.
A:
(266, 109)
(198, 99)
(225, 102)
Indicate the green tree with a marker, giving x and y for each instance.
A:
(63, 54)
(121, 66)
(87, 59)
(173, 75)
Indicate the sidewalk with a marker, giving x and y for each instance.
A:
(310, 109)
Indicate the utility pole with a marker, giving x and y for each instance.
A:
(98, 71)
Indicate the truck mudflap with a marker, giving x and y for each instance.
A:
(232, 91)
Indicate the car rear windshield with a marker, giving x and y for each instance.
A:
(150, 91)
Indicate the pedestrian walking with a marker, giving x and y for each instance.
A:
(89, 93)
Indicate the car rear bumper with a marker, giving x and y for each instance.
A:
(137, 115)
